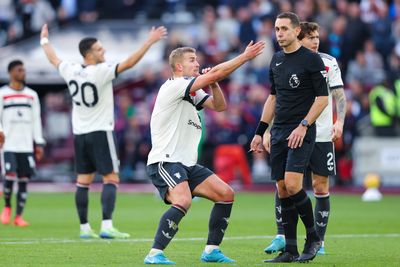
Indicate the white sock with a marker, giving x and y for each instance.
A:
(155, 251)
(210, 248)
(281, 236)
(106, 224)
(323, 243)
(86, 227)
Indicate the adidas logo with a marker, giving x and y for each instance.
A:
(166, 235)
(324, 213)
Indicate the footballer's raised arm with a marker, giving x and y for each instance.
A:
(47, 48)
(222, 70)
(155, 35)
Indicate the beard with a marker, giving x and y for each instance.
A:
(22, 81)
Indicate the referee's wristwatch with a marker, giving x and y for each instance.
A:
(304, 123)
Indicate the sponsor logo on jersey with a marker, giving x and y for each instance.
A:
(192, 123)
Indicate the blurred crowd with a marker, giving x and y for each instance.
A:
(363, 35)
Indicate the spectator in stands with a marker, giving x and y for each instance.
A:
(88, 11)
(35, 13)
(356, 32)
(359, 70)
(383, 110)
(247, 32)
(7, 14)
(336, 37)
(227, 28)
(325, 15)
(381, 33)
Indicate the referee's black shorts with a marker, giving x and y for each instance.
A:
(284, 159)
(96, 152)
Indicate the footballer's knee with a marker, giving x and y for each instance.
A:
(282, 192)
(320, 185)
(111, 178)
(183, 201)
(85, 179)
(180, 195)
(293, 182)
(292, 188)
(224, 194)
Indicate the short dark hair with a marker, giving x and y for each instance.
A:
(307, 28)
(294, 19)
(13, 64)
(86, 44)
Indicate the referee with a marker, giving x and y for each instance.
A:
(298, 95)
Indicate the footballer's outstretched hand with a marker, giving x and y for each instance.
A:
(253, 49)
(45, 32)
(156, 34)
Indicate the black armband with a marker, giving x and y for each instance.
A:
(261, 128)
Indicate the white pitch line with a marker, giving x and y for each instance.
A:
(31, 241)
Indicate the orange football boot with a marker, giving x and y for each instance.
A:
(6, 215)
(18, 221)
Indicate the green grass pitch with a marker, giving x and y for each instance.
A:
(359, 233)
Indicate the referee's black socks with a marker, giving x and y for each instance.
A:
(168, 226)
(289, 224)
(304, 208)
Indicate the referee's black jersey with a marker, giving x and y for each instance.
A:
(296, 79)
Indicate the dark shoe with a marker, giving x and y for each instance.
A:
(283, 257)
(310, 250)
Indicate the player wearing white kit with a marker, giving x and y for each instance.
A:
(22, 127)
(90, 85)
(172, 162)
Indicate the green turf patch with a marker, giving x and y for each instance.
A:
(359, 233)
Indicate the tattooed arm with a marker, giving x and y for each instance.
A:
(340, 99)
